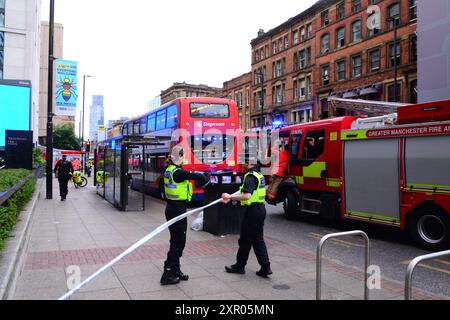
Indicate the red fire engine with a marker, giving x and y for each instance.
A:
(392, 170)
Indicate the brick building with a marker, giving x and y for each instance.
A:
(238, 89)
(183, 89)
(357, 62)
(328, 50)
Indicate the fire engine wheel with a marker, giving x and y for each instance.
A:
(291, 204)
(430, 228)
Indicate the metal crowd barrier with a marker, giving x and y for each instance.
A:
(319, 260)
(412, 265)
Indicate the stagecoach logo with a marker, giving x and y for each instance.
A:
(201, 124)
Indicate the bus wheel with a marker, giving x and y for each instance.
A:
(162, 193)
(291, 204)
(429, 227)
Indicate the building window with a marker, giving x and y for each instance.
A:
(412, 10)
(309, 30)
(299, 89)
(280, 44)
(257, 55)
(295, 36)
(340, 70)
(267, 51)
(261, 54)
(2, 44)
(394, 55)
(308, 56)
(325, 72)
(286, 42)
(413, 49)
(393, 16)
(356, 30)
(340, 11)
(278, 94)
(325, 43)
(258, 99)
(325, 18)
(274, 47)
(278, 67)
(2, 13)
(374, 60)
(356, 66)
(356, 5)
(247, 97)
(340, 37)
(302, 34)
(300, 60)
(394, 95)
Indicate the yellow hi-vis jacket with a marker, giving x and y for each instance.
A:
(259, 195)
(181, 191)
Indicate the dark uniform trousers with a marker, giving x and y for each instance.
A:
(177, 233)
(252, 234)
(63, 186)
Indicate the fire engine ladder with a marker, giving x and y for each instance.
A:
(366, 107)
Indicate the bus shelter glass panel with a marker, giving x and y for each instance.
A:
(109, 175)
(135, 179)
(117, 174)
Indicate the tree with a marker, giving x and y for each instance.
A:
(64, 138)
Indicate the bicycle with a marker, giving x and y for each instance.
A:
(78, 180)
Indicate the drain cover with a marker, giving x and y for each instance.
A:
(281, 287)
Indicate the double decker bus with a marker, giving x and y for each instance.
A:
(205, 127)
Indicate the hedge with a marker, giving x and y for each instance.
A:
(10, 210)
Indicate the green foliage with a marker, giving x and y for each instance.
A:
(64, 138)
(38, 156)
(10, 210)
(9, 177)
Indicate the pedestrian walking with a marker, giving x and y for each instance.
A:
(178, 192)
(252, 196)
(63, 171)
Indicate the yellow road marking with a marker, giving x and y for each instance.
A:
(339, 240)
(442, 261)
(426, 266)
(318, 237)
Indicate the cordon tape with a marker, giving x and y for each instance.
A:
(137, 245)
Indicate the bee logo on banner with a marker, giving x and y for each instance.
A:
(66, 88)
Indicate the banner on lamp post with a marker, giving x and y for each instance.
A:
(66, 88)
(101, 133)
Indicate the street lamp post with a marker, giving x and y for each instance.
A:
(393, 19)
(49, 159)
(82, 122)
(261, 82)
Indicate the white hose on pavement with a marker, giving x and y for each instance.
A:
(137, 245)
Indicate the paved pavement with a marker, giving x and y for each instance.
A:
(88, 232)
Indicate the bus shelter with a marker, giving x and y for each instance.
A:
(117, 163)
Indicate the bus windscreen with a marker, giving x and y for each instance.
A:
(210, 110)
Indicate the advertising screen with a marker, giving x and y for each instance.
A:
(15, 99)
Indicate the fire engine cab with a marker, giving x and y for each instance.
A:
(392, 170)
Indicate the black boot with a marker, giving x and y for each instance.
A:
(235, 268)
(169, 277)
(178, 273)
(265, 271)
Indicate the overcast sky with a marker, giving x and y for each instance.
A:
(134, 49)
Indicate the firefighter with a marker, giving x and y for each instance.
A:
(252, 196)
(63, 171)
(279, 172)
(178, 192)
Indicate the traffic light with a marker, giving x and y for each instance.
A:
(88, 146)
